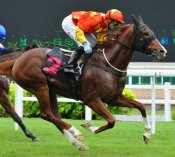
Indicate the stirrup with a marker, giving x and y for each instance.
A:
(76, 71)
(69, 70)
(69, 66)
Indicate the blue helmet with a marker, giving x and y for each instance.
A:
(2, 32)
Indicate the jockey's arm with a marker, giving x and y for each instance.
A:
(3, 49)
(80, 35)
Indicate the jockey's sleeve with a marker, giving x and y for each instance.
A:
(80, 35)
(4, 49)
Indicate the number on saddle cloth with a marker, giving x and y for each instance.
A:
(53, 62)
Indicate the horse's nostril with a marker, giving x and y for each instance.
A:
(162, 51)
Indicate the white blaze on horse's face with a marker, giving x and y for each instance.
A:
(157, 50)
(145, 40)
(163, 49)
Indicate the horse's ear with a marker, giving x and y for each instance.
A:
(140, 20)
(135, 20)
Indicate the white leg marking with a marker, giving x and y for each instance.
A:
(74, 131)
(92, 129)
(147, 127)
(74, 141)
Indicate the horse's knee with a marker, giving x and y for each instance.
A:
(111, 123)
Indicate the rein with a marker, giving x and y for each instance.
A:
(123, 71)
(111, 68)
(140, 43)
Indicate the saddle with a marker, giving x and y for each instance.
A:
(54, 65)
(56, 60)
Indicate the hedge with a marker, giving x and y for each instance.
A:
(66, 109)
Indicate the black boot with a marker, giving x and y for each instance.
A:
(73, 61)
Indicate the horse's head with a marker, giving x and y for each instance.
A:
(145, 40)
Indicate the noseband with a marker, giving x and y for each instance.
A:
(141, 42)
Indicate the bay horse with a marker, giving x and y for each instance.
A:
(102, 80)
(4, 91)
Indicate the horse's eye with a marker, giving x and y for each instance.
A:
(146, 33)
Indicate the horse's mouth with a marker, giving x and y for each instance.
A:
(158, 55)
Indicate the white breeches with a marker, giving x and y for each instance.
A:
(69, 27)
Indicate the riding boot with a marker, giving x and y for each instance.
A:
(73, 61)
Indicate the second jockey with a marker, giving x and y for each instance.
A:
(88, 28)
(2, 38)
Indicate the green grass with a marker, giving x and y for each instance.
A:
(124, 140)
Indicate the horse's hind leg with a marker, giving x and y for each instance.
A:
(4, 101)
(124, 101)
(42, 95)
(54, 107)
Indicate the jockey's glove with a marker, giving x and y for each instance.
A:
(87, 48)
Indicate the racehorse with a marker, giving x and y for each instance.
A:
(102, 80)
(4, 90)
(4, 101)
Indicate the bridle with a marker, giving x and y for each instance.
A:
(140, 44)
(141, 41)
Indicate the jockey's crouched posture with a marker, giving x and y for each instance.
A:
(88, 28)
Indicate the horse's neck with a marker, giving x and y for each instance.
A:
(120, 54)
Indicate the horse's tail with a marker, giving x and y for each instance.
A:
(6, 67)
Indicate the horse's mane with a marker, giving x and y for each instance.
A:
(10, 56)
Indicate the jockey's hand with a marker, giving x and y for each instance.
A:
(87, 48)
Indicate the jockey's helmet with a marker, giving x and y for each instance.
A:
(115, 15)
(2, 32)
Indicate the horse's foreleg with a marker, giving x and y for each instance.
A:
(100, 108)
(54, 104)
(46, 114)
(124, 101)
(7, 106)
(54, 107)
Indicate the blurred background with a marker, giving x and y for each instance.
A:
(37, 20)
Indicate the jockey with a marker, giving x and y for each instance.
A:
(4, 50)
(88, 28)
(2, 38)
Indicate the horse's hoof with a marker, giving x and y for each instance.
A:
(36, 139)
(87, 125)
(79, 137)
(83, 148)
(146, 139)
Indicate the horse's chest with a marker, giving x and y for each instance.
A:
(115, 87)
(120, 83)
